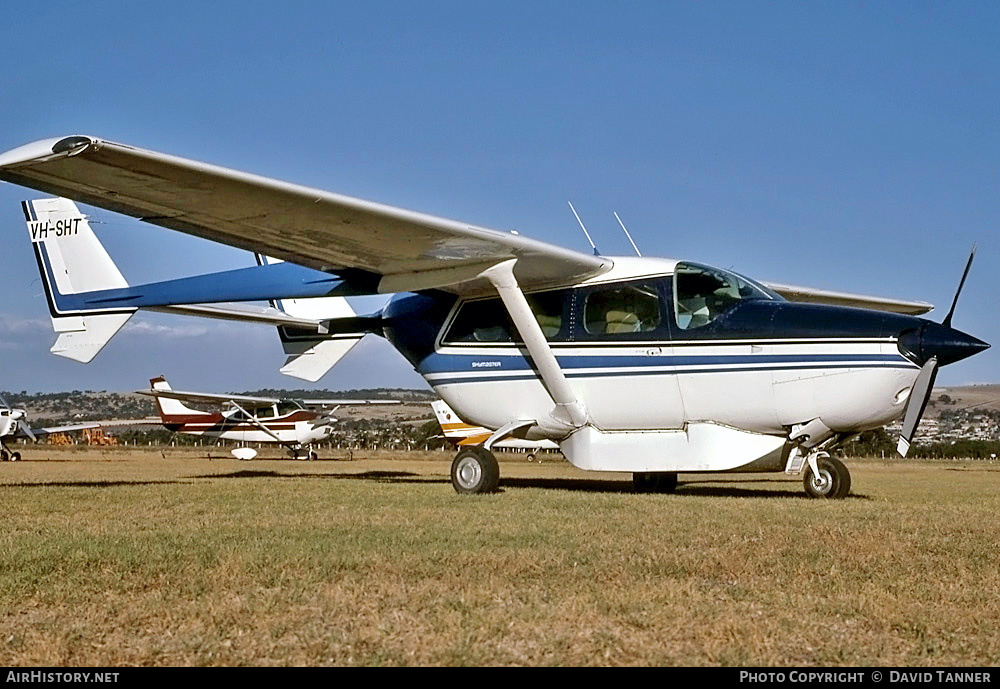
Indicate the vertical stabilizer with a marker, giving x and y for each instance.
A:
(169, 407)
(452, 426)
(71, 261)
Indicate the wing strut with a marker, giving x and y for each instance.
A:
(569, 412)
(254, 421)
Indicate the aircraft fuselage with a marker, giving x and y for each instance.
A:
(666, 345)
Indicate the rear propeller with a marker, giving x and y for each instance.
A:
(920, 394)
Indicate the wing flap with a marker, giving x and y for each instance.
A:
(310, 227)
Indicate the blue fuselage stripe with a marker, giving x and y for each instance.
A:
(682, 372)
(457, 363)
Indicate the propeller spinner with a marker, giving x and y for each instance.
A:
(933, 345)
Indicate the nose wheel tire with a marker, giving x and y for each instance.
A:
(833, 482)
(654, 481)
(475, 470)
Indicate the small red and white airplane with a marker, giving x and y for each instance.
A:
(295, 424)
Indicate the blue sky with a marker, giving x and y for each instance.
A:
(849, 146)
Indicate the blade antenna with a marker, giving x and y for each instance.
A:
(583, 227)
(961, 284)
(637, 252)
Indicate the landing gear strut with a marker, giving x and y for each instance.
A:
(832, 479)
(475, 470)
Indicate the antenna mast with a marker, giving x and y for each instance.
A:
(637, 252)
(582, 227)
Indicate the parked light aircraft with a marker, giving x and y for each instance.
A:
(295, 424)
(14, 425)
(464, 434)
(643, 365)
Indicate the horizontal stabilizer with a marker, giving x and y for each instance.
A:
(85, 343)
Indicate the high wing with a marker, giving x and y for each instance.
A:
(390, 248)
(86, 425)
(217, 399)
(819, 296)
(222, 399)
(323, 404)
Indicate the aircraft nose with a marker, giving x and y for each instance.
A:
(934, 339)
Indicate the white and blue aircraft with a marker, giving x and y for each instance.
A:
(642, 365)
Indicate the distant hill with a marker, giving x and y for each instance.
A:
(986, 397)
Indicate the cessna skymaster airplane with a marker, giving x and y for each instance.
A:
(642, 365)
(295, 424)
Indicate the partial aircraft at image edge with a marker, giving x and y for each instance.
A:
(633, 364)
(14, 425)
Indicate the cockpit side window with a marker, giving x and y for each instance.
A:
(487, 320)
(702, 294)
(622, 309)
(287, 407)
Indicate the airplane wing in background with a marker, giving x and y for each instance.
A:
(405, 250)
(87, 425)
(249, 401)
(820, 296)
(217, 399)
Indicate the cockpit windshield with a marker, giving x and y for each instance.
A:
(702, 294)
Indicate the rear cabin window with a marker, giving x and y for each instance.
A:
(622, 309)
(702, 294)
(487, 320)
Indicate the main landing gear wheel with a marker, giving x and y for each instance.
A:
(15, 456)
(833, 482)
(654, 481)
(475, 470)
(4, 455)
(313, 456)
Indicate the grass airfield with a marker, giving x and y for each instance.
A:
(122, 557)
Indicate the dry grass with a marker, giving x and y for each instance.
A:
(122, 558)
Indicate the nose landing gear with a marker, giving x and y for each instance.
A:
(830, 480)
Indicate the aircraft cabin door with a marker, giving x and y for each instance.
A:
(622, 357)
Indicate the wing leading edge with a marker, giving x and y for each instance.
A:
(330, 232)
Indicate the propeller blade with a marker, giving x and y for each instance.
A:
(961, 284)
(26, 429)
(915, 406)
